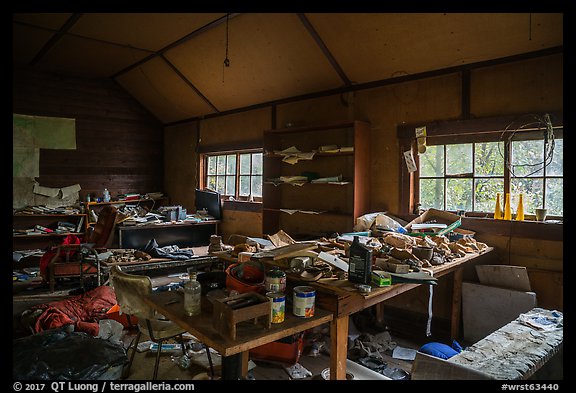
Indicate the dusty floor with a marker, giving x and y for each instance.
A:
(169, 369)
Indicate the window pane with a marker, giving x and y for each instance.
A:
(231, 185)
(556, 167)
(459, 159)
(211, 182)
(489, 159)
(244, 185)
(257, 186)
(211, 165)
(257, 163)
(221, 184)
(231, 164)
(244, 164)
(432, 193)
(459, 194)
(527, 158)
(432, 162)
(485, 194)
(555, 197)
(221, 167)
(533, 194)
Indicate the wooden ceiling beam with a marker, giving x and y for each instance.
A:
(190, 84)
(55, 38)
(312, 31)
(179, 41)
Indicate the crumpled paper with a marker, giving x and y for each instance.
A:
(297, 371)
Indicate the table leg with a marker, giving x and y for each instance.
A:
(456, 304)
(338, 347)
(244, 365)
(231, 367)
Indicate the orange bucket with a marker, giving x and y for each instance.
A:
(245, 277)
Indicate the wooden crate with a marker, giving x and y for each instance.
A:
(231, 310)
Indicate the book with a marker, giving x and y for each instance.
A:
(43, 229)
(80, 223)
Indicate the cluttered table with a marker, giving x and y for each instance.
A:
(247, 336)
(342, 298)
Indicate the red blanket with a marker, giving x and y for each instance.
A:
(83, 311)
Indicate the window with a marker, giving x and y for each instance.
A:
(467, 176)
(234, 174)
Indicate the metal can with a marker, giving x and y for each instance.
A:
(277, 306)
(303, 301)
(275, 280)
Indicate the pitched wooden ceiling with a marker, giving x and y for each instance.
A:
(173, 63)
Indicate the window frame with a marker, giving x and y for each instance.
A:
(203, 158)
(490, 129)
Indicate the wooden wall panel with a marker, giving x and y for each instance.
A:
(118, 143)
(181, 164)
(241, 223)
(241, 127)
(385, 108)
(530, 86)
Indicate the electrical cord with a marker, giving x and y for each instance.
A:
(541, 122)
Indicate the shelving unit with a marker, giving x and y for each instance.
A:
(150, 203)
(338, 204)
(22, 222)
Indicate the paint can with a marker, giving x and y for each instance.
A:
(303, 301)
(275, 280)
(277, 306)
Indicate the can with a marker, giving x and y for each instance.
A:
(277, 306)
(275, 280)
(303, 301)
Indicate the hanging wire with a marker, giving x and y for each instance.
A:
(542, 123)
(226, 59)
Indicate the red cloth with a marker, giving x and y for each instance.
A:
(48, 255)
(83, 311)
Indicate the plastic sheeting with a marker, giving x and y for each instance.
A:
(60, 355)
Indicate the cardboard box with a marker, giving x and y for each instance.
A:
(452, 221)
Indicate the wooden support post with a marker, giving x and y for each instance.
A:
(338, 347)
(456, 304)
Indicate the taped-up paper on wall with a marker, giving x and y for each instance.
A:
(421, 139)
(410, 163)
(70, 190)
(46, 191)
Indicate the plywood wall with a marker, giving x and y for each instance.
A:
(181, 164)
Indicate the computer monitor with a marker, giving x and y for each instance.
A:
(209, 200)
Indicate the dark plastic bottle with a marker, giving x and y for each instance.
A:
(360, 263)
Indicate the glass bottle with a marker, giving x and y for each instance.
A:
(106, 195)
(520, 209)
(498, 209)
(507, 208)
(192, 293)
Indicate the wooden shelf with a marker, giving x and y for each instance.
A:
(331, 198)
(44, 240)
(95, 206)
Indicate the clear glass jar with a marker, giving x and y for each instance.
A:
(192, 293)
